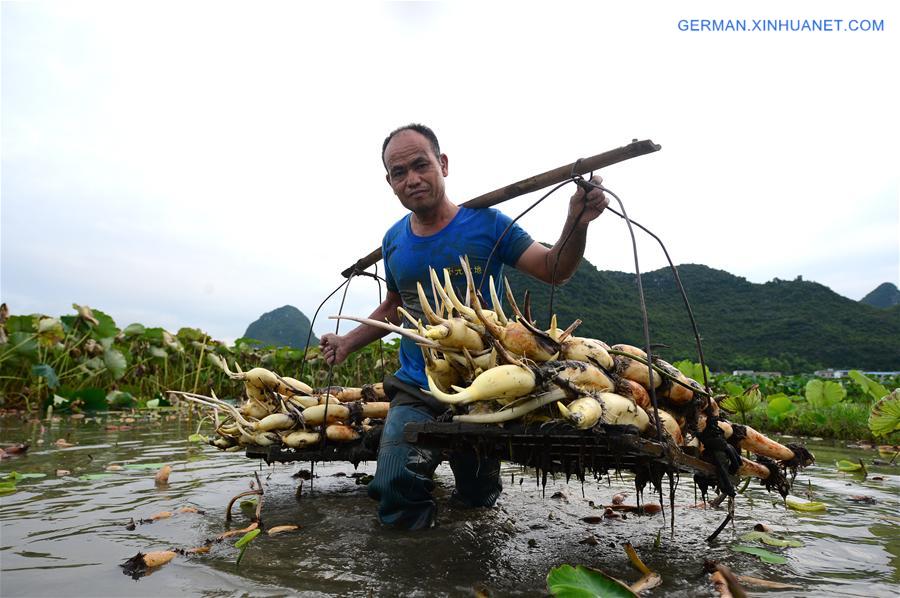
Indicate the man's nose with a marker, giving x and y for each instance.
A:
(413, 179)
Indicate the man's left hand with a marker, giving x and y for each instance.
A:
(592, 203)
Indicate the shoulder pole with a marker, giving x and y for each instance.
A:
(535, 183)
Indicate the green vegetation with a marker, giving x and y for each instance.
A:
(567, 581)
(884, 417)
(805, 406)
(784, 326)
(86, 362)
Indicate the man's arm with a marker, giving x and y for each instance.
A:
(564, 256)
(336, 348)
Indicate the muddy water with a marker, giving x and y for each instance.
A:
(67, 534)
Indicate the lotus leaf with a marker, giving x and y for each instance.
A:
(158, 352)
(692, 370)
(762, 553)
(780, 406)
(734, 389)
(46, 372)
(822, 394)
(115, 361)
(118, 399)
(745, 401)
(845, 465)
(134, 330)
(24, 343)
(26, 324)
(798, 504)
(566, 581)
(92, 399)
(191, 334)
(16, 476)
(884, 419)
(770, 540)
(106, 327)
(874, 389)
(153, 335)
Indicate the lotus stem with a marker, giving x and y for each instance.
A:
(510, 413)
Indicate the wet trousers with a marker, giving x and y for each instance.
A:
(403, 482)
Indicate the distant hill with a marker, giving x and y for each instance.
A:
(788, 326)
(282, 327)
(885, 295)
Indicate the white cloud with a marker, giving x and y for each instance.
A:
(195, 164)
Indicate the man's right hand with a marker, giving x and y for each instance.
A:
(334, 348)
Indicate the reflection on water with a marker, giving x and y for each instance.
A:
(67, 534)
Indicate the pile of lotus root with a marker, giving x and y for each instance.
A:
(283, 411)
(491, 369)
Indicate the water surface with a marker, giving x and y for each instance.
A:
(67, 534)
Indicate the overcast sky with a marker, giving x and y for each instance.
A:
(197, 164)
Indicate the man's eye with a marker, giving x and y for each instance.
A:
(397, 173)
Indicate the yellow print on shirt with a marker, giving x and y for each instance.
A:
(458, 271)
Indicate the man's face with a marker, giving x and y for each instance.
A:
(414, 173)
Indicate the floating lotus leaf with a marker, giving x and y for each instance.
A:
(762, 553)
(845, 465)
(798, 504)
(770, 540)
(566, 581)
(16, 476)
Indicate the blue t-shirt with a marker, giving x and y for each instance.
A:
(407, 257)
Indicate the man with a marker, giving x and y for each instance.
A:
(435, 233)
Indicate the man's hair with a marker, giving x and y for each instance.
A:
(421, 130)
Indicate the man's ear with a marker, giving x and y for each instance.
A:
(387, 177)
(445, 165)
